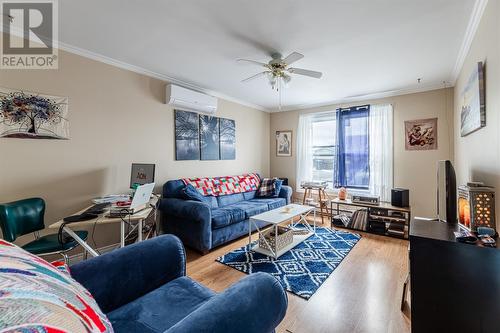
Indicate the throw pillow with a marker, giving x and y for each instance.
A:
(189, 192)
(278, 184)
(36, 297)
(267, 188)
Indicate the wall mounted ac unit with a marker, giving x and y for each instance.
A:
(189, 100)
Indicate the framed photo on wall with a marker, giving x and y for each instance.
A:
(284, 143)
(187, 145)
(473, 102)
(227, 128)
(421, 134)
(209, 138)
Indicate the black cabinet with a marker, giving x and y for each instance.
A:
(455, 287)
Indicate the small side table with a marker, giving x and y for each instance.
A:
(323, 198)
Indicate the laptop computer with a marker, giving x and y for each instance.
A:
(139, 202)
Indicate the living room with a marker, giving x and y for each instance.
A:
(317, 107)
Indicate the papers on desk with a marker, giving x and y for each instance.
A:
(111, 198)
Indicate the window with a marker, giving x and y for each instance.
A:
(348, 147)
(324, 148)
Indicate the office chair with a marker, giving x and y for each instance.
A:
(27, 216)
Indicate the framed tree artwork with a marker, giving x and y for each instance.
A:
(227, 130)
(284, 143)
(187, 145)
(27, 115)
(209, 137)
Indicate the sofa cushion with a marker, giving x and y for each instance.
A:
(278, 184)
(212, 201)
(225, 200)
(161, 308)
(172, 188)
(251, 207)
(222, 217)
(36, 297)
(272, 203)
(249, 195)
(189, 192)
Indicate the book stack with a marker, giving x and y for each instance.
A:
(121, 210)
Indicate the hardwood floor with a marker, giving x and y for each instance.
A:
(363, 294)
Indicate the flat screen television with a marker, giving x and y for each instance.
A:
(447, 192)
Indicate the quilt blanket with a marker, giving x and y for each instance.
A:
(217, 186)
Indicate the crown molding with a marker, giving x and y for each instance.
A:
(140, 70)
(370, 96)
(475, 19)
(470, 33)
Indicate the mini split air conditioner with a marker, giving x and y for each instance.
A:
(189, 100)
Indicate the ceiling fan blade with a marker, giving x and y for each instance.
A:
(293, 57)
(305, 72)
(255, 76)
(253, 62)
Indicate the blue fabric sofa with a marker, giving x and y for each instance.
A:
(218, 220)
(143, 288)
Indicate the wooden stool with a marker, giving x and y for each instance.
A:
(322, 199)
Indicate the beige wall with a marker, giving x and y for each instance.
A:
(116, 117)
(415, 170)
(477, 156)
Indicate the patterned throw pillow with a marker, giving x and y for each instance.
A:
(36, 297)
(278, 184)
(267, 188)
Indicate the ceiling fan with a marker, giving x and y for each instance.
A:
(278, 71)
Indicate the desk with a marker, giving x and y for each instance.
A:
(455, 287)
(138, 219)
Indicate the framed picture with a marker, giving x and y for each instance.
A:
(421, 134)
(227, 130)
(473, 110)
(209, 137)
(25, 115)
(187, 145)
(284, 143)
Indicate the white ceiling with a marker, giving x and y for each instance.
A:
(362, 47)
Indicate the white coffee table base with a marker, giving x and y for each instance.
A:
(297, 239)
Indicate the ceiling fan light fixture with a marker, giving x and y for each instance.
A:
(272, 79)
(278, 70)
(286, 80)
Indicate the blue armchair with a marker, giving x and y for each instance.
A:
(143, 288)
(216, 220)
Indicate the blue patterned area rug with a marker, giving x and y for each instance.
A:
(303, 269)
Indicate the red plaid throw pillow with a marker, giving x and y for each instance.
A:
(267, 188)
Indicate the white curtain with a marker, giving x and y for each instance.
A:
(304, 149)
(381, 151)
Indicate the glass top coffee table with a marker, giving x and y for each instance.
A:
(279, 216)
